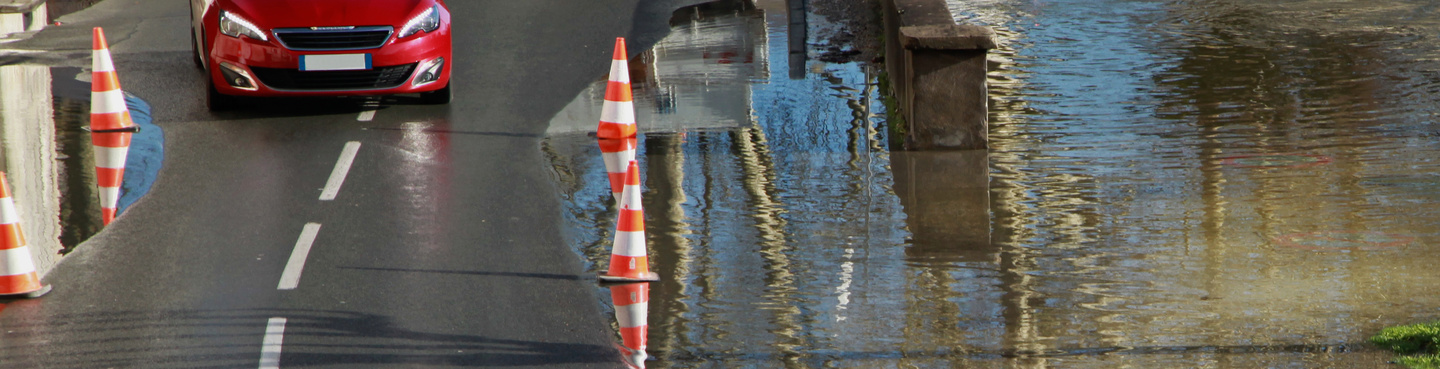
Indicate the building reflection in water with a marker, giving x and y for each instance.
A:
(49, 158)
(79, 204)
(698, 78)
(30, 157)
(761, 226)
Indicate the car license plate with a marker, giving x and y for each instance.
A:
(335, 62)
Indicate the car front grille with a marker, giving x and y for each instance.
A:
(294, 79)
(337, 38)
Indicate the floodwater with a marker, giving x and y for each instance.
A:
(49, 161)
(79, 201)
(1169, 184)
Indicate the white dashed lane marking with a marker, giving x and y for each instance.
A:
(290, 278)
(342, 167)
(270, 347)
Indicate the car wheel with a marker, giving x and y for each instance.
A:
(195, 51)
(217, 101)
(437, 97)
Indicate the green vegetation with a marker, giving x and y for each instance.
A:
(1418, 343)
(896, 121)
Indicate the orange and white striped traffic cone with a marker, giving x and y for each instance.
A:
(632, 311)
(617, 116)
(110, 127)
(17, 268)
(618, 154)
(628, 260)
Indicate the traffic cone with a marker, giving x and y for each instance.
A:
(632, 311)
(617, 116)
(110, 127)
(628, 262)
(618, 153)
(17, 269)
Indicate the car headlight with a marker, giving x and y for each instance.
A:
(425, 22)
(234, 26)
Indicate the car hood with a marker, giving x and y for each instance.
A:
(327, 13)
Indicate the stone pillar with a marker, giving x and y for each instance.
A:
(936, 70)
(949, 102)
(21, 16)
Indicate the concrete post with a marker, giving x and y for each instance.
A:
(21, 16)
(936, 70)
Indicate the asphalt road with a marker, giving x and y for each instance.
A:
(443, 247)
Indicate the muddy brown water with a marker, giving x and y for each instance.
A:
(1170, 184)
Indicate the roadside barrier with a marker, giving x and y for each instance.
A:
(617, 116)
(618, 153)
(628, 260)
(632, 312)
(110, 127)
(18, 277)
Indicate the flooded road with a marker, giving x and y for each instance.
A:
(1170, 184)
(48, 155)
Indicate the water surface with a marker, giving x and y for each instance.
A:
(1170, 184)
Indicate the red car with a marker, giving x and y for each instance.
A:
(322, 48)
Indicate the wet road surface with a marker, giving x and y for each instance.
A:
(441, 249)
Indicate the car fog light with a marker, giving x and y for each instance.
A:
(236, 77)
(429, 72)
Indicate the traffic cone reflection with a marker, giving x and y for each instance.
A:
(17, 269)
(628, 260)
(632, 312)
(110, 127)
(618, 154)
(617, 116)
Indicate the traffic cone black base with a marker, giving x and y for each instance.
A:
(613, 279)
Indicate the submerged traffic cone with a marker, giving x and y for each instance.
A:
(110, 127)
(632, 311)
(617, 116)
(17, 268)
(628, 262)
(618, 154)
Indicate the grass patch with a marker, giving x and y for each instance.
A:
(1420, 361)
(1419, 344)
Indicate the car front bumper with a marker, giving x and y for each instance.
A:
(274, 70)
